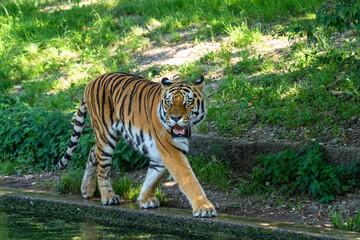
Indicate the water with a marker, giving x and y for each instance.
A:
(18, 224)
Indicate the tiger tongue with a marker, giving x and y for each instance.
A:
(178, 130)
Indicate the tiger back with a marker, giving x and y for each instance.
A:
(153, 118)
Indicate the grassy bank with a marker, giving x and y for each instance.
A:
(255, 77)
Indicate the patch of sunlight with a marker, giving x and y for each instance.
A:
(291, 92)
(32, 48)
(153, 23)
(76, 75)
(169, 184)
(138, 31)
(67, 5)
(265, 224)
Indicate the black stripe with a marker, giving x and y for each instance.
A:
(80, 113)
(61, 165)
(75, 133)
(144, 150)
(67, 156)
(113, 137)
(105, 165)
(138, 140)
(142, 135)
(71, 144)
(181, 150)
(78, 123)
(105, 154)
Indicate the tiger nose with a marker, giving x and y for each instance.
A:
(175, 118)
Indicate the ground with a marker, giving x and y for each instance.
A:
(272, 207)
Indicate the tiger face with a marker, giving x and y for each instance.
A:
(181, 107)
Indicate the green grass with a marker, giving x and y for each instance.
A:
(50, 49)
(123, 186)
(71, 181)
(211, 171)
(8, 167)
(349, 224)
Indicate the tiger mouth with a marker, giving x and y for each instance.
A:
(178, 131)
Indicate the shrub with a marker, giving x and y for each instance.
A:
(294, 172)
(36, 139)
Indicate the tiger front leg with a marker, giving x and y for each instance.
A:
(146, 197)
(181, 171)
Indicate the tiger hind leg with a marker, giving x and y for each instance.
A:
(88, 185)
(104, 165)
(146, 197)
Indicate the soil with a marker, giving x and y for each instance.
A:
(298, 210)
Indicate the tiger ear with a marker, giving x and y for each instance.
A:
(166, 82)
(200, 83)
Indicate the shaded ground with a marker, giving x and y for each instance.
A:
(271, 206)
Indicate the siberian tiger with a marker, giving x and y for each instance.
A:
(153, 118)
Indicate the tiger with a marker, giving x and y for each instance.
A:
(154, 118)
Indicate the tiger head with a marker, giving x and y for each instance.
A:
(181, 107)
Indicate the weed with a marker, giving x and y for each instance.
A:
(350, 224)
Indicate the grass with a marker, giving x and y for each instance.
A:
(52, 55)
(349, 224)
(8, 167)
(210, 171)
(123, 186)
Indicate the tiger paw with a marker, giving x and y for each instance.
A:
(111, 200)
(205, 210)
(88, 190)
(150, 202)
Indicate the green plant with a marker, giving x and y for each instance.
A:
(339, 14)
(211, 171)
(241, 35)
(294, 172)
(122, 185)
(350, 224)
(39, 138)
(8, 167)
(71, 181)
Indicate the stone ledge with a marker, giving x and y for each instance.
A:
(241, 154)
(177, 220)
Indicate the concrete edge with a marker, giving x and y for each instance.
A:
(242, 154)
(175, 220)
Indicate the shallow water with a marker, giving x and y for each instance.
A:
(15, 224)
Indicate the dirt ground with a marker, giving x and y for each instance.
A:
(271, 207)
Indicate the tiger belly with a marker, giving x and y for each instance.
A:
(139, 140)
